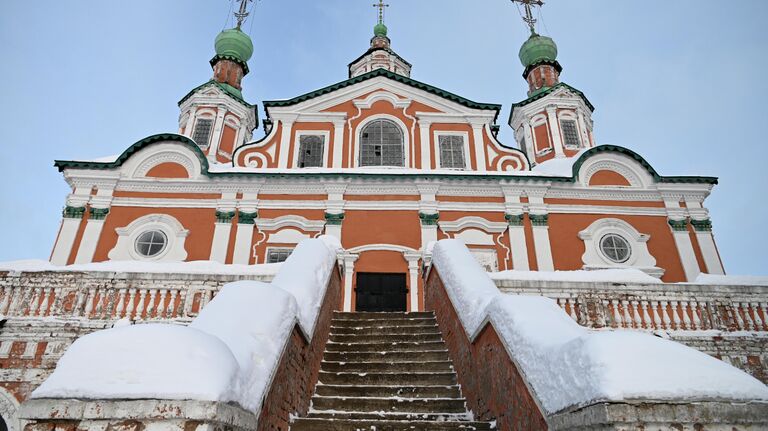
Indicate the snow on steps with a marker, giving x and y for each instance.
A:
(387, 371)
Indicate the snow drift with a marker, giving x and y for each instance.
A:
(229, 353)
(567, 365)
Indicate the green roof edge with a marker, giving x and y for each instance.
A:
(387, 74)
(73, 164)
(237, 97)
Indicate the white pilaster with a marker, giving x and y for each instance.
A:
(190, 122)
(349, 272)
(426, 155)
(413, 279)
(519, 247)
(685, 250)
(220, 243)
(338, 142)
(477, 136)
(554, 131)
(709, 252)
(243, 239)
(90, 239)
(285, 143)
(218, 129)
(543, 248)
(63, 247)
(584, 133)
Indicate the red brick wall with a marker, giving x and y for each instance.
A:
(489, 379)
(299, 367)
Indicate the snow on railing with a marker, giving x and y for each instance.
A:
(680, 307)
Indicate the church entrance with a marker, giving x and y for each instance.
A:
(380, 292)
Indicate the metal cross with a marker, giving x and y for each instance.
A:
(381, 5)
(528, 18)
(242, 14)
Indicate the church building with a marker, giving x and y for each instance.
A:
(388, 165)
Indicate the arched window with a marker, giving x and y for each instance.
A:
(381, 144)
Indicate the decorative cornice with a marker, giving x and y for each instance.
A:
(702, 225)
(429, 219)
(514, 219)
(539, 219)
(247, 218)
(678, 225)
(73, 212)
(98, 213)
(224, 216)
(218, 57)
(334, 219)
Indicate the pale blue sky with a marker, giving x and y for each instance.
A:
(681, 82)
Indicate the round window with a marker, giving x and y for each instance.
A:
(151, 243)
(615, 248)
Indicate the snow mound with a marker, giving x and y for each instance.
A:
(567, 365)
(193, 267)
(624, 275)
(229, 353)
(558, 167)
(732, 280)
(143, 361)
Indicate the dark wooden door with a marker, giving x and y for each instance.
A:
(380, 292)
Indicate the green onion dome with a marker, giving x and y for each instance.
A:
(234, 43)
(538, 48)
(380, 30)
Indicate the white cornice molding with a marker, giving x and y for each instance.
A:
(473, 222)
(299, 222)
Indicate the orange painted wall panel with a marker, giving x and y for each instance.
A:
(168, 170)
(608, 178)
(381, 227)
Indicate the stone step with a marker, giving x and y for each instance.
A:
(393, 416)
(384, 330)
(431, 321)
(319, 424)
(389, 391)
(382, 316)
(402, 346)
(391, 405)
(384, 338)
(387, 367)
(365, 378)
(384, 356)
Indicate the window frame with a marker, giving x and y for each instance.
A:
(567, 118)
(210, 131)
(358, 141)
(325, 134)
(436, 147)
(148, 231)
(607, 256)
(277, 250)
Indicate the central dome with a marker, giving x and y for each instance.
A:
(538, 48)
(234, 43)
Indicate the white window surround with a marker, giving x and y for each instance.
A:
(406, 141)
(276, 249)
(287, 236)
(639, 258)
(436, 147)
(635, 174)
(297, 145)
(569, 116)
(174, 251)
(140, 163)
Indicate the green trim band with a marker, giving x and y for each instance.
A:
(73, 212)
(98, 213)
(539, 219)
(429, 219)
(514, 219)
(387, 74)
(224, 216)
(702, 225)
(247, 218)
(230, 91)
(334, 219)
(678, 225)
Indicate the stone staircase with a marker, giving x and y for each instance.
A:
(387, 372)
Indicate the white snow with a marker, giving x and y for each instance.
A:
(559, 167)
(193, 267)
(624, 275)
(732, 280)
(229, 353)
(568, 365)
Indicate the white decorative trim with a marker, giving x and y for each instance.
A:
(372, 98)
(139, 164)
(289, 221)
(473, 222)
(637, 176)
(639, 257)
(9, 410)
(287, 236)
(66, 239)
(174, 231)
(381, 247)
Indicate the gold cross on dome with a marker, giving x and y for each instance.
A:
(381, 5)
(528, 18)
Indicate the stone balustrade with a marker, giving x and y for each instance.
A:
(108, 295)
(666, 307)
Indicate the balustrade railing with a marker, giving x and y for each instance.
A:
(669, 307)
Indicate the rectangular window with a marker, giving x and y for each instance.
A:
(277, 255)
(202, 135)
(452, 152)
(311, 151)
(570, 133)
